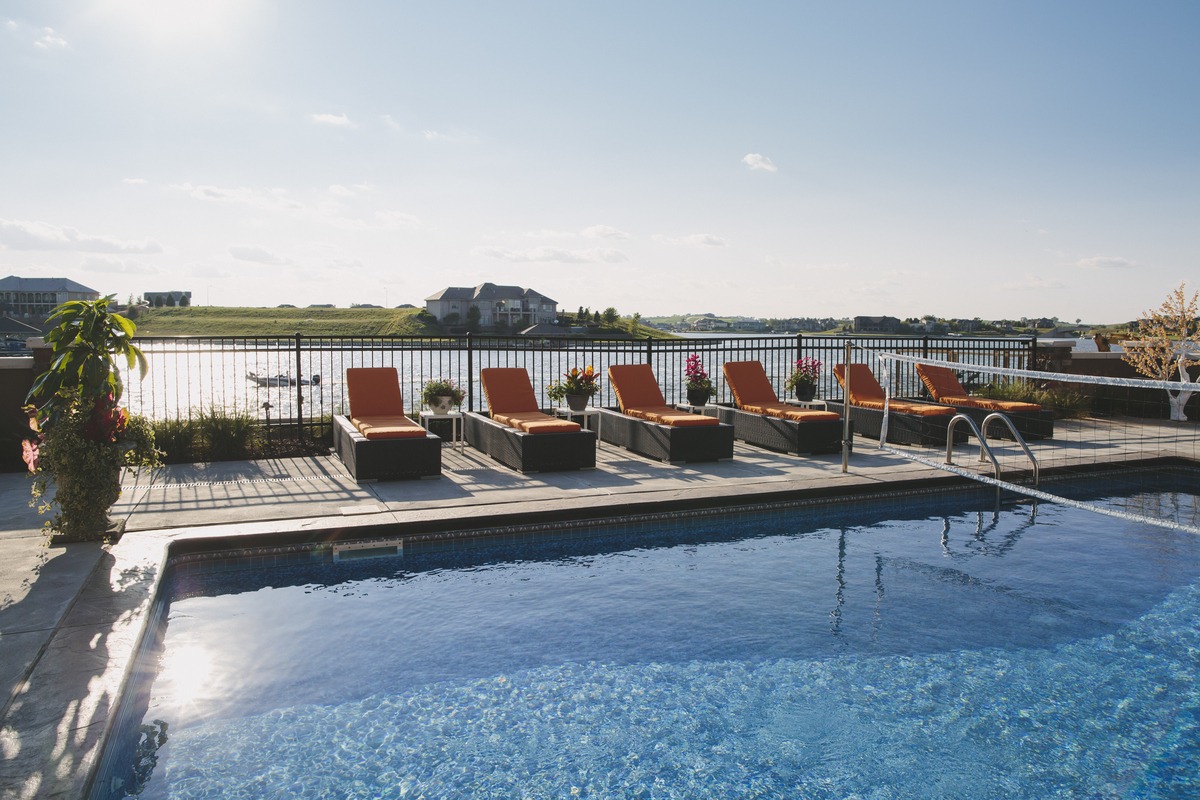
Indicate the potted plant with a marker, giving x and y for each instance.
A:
(84, 437)
(696, 381)
(803, 380)
(441, 394)
(575, 387)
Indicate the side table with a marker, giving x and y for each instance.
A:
(585, 414)
(457, 441)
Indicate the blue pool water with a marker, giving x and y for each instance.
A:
(849, 651)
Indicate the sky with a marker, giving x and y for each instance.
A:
(768, 159)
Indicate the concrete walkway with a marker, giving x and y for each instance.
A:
(72, 616)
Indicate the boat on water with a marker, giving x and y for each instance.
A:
(282, 380)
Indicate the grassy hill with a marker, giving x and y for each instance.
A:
(222, 321)
(275, 322)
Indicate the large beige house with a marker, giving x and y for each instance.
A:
(498, 305)
(35, 298)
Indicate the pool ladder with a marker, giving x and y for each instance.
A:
(984, 449)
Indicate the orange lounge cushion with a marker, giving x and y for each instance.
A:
(508, 390)
(865, 392)
(536, 422)
(988, 404)
(944, 386)
(635, 386)
(749, 383)
(941, 382)
(794, 413)
(666, 415)
(388, 427)
(374, 392)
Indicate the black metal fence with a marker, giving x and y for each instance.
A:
(299, 379)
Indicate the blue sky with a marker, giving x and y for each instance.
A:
(990, 159)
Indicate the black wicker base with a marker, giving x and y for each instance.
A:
(783, 435)
(385, 459)
(1035, 425)
(902, 428)
(664, 442)
(530, 452)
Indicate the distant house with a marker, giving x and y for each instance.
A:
(876, 324)
(170, 299)
(749, 325)
(707, 323)
(498, 305)
(35, 298)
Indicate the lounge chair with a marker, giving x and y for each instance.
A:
(758, 417)
(648, 426)
(909, 421)
(378, 441)
(520, 435)
(1030, 419)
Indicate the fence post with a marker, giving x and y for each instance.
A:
(649, 348)
(299, 393)
(470, 372)
(1033, 352)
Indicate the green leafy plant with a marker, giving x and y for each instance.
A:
(1066, 403)
(578, 381)
(176, 438)
(84, 436)
(221, 436)
(695, 376)
(442, 387)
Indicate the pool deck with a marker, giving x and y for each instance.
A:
(71, 616)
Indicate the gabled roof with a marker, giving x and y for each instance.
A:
(14, 284)
(488, 292)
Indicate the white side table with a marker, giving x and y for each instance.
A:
(815, 404)
(457, 440)
(584, 414)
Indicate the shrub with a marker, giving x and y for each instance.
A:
(222, 436)
(1064, 402)
(176, 438)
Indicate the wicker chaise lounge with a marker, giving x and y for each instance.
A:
(758, 418)
(1030, 419)
(520, 435)
(649, 427)
(378, 441)
(909, 422)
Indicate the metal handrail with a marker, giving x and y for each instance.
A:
(984, 448)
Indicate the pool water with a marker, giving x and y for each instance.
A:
(854, 651)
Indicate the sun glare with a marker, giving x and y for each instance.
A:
(188, 671)
(180, 22)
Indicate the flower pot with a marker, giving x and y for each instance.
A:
(805, 392)
(698, 397)
(577, 402)
(442, 404)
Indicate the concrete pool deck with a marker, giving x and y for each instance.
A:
(71, 616)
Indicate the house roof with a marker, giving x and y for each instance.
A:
(14, 284)
(488, 292)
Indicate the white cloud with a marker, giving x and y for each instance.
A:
(117, 266)
(266, 199)
(50, 40)
(337, 190)
(258, 255)
(604, 232)
(336, 120)
(455, 136)
(552, 254)
(24, 235)
(695, 240)
(392, 124)
(759, 161)
(135, 181)
(1105, 262)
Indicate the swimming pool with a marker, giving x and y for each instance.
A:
(841, 651)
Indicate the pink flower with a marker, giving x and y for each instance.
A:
(29, 454)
